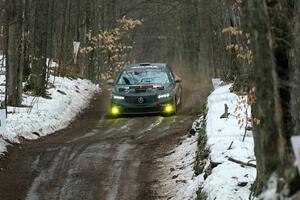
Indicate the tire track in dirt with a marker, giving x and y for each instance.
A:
(96, 157)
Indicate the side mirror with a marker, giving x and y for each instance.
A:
(178, 80)
(110, 82)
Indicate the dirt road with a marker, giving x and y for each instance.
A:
(96, 157)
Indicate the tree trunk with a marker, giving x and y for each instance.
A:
(38, 76)
(15, 49)
(26, 43)
(268, 134)
(295, 72)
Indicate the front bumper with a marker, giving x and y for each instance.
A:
(158, 107)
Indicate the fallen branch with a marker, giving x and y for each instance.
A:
(241, 162)
(230, 146)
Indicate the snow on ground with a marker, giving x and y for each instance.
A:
(43, 116)
(223, 181)
(180, 182)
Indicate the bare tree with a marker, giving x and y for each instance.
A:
(15, 50)
(39, 51)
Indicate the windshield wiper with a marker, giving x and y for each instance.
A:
(126, 81)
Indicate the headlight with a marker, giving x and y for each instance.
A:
(118, 97)
(169, 108)
(163, 96)
(115, 110)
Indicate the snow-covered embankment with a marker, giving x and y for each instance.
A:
(229, 179)
(43, 116)
(222, 178)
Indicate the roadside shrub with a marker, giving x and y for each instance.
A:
(203, 151)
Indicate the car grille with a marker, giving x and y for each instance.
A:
(134, 99)
(141, 110)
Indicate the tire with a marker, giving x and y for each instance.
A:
(180, 103)
(176, 108)
(111, 116)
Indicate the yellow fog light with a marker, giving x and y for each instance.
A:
(169, 108)
(115, 110)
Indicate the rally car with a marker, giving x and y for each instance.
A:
(146, 88)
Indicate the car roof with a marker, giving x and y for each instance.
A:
(146, 65)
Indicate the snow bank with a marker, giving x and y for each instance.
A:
(227, 180)
(223, 181)
(44, 116)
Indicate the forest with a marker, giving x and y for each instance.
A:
(253, 43)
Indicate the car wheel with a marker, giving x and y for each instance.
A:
(176, 108)
(180, 103)
(111, 116)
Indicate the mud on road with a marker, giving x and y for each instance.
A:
(96, 157)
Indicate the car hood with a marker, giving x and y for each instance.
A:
(142, 88)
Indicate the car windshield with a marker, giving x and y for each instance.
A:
(143, 76)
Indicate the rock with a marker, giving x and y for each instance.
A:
(242, 184)
(181, 181)
(192, 131)
(198, 127)
(214, 164)
(175, 176)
